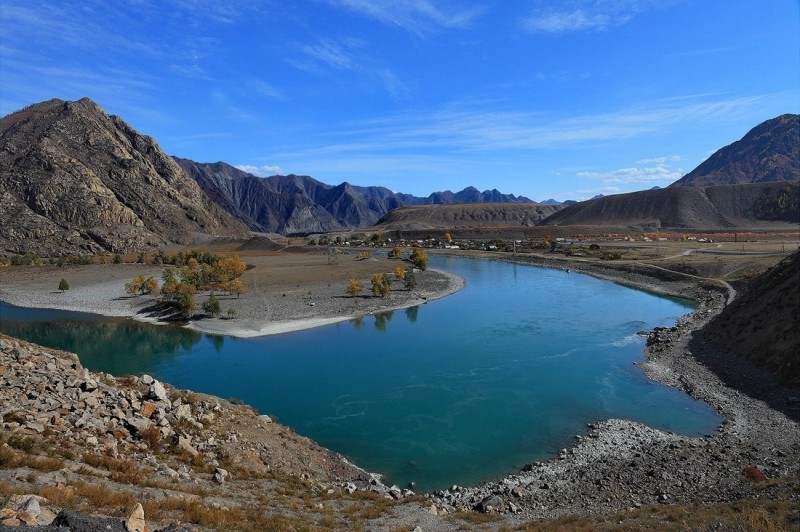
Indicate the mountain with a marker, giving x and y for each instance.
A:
(301, 204)
(753, 206)
(762, 324)
(74, 179)
(466, 215)
(768, 152)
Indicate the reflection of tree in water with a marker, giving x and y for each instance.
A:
(217, 341)
(382, 318)
(357, 323)
(119, 347)
(411, 313)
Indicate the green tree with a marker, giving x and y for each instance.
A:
(410, 279)
(117, 259)
(63, 285)
(185, 297)
(211, 305)
(170, 284)
(379, 288)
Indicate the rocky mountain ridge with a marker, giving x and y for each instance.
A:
(723, 207)
(290, 204)
(768, 152)
(74, 179)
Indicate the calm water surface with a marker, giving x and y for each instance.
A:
(463, 389)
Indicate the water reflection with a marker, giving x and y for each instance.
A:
(120, 346)
(412, 313)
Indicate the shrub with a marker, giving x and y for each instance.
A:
(63, 285)
(419, 258)
(211, 305)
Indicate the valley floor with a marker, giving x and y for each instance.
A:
(285, 292)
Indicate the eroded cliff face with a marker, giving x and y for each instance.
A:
(76, 180)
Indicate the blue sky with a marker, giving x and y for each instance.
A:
(546, 99)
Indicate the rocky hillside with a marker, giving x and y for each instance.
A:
(93, 442)
(768, 152)
(763, 324)
(466, 215)
(723, 207)
(75, 180)
(301, 204)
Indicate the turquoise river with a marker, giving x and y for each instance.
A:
(460, 390)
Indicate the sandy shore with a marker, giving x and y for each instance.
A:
(262, 311)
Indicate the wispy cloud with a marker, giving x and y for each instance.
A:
(478, 126)
(658, 172)
(351, 55)
(416, 16)
(585, 15)
(265, 170)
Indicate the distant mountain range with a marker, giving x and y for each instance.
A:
(75, 180)
(300, 204)
(752, 183)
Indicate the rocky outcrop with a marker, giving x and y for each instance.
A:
(768, 152)
(75, 180)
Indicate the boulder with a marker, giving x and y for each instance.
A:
(157, 391)
(135, 521)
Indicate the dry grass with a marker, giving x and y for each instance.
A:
(762, 515)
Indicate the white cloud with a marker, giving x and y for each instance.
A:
(265, 170)
(661, 173)
(416, 16)
(583, 15)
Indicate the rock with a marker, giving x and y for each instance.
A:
(147, 409)
(157, 391)
(183, 412)
(754, 474)
(135, 521)
(147, 380)
(492, 503)
(76, 521)
(186, 445)
(137, 423)
(265, 418)
(32, 506)
(220, 476)
(89, 385)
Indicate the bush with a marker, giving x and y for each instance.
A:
(211, 305)
(63, 285)
(419, 258)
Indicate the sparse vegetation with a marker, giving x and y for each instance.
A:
(419, 259)
(354, 287)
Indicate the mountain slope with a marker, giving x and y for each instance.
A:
(711, 208)
(768, 152)
(763, 324)
(463, 215)
(75, 180)
(301, 204)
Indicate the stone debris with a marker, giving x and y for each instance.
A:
(135, 521)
